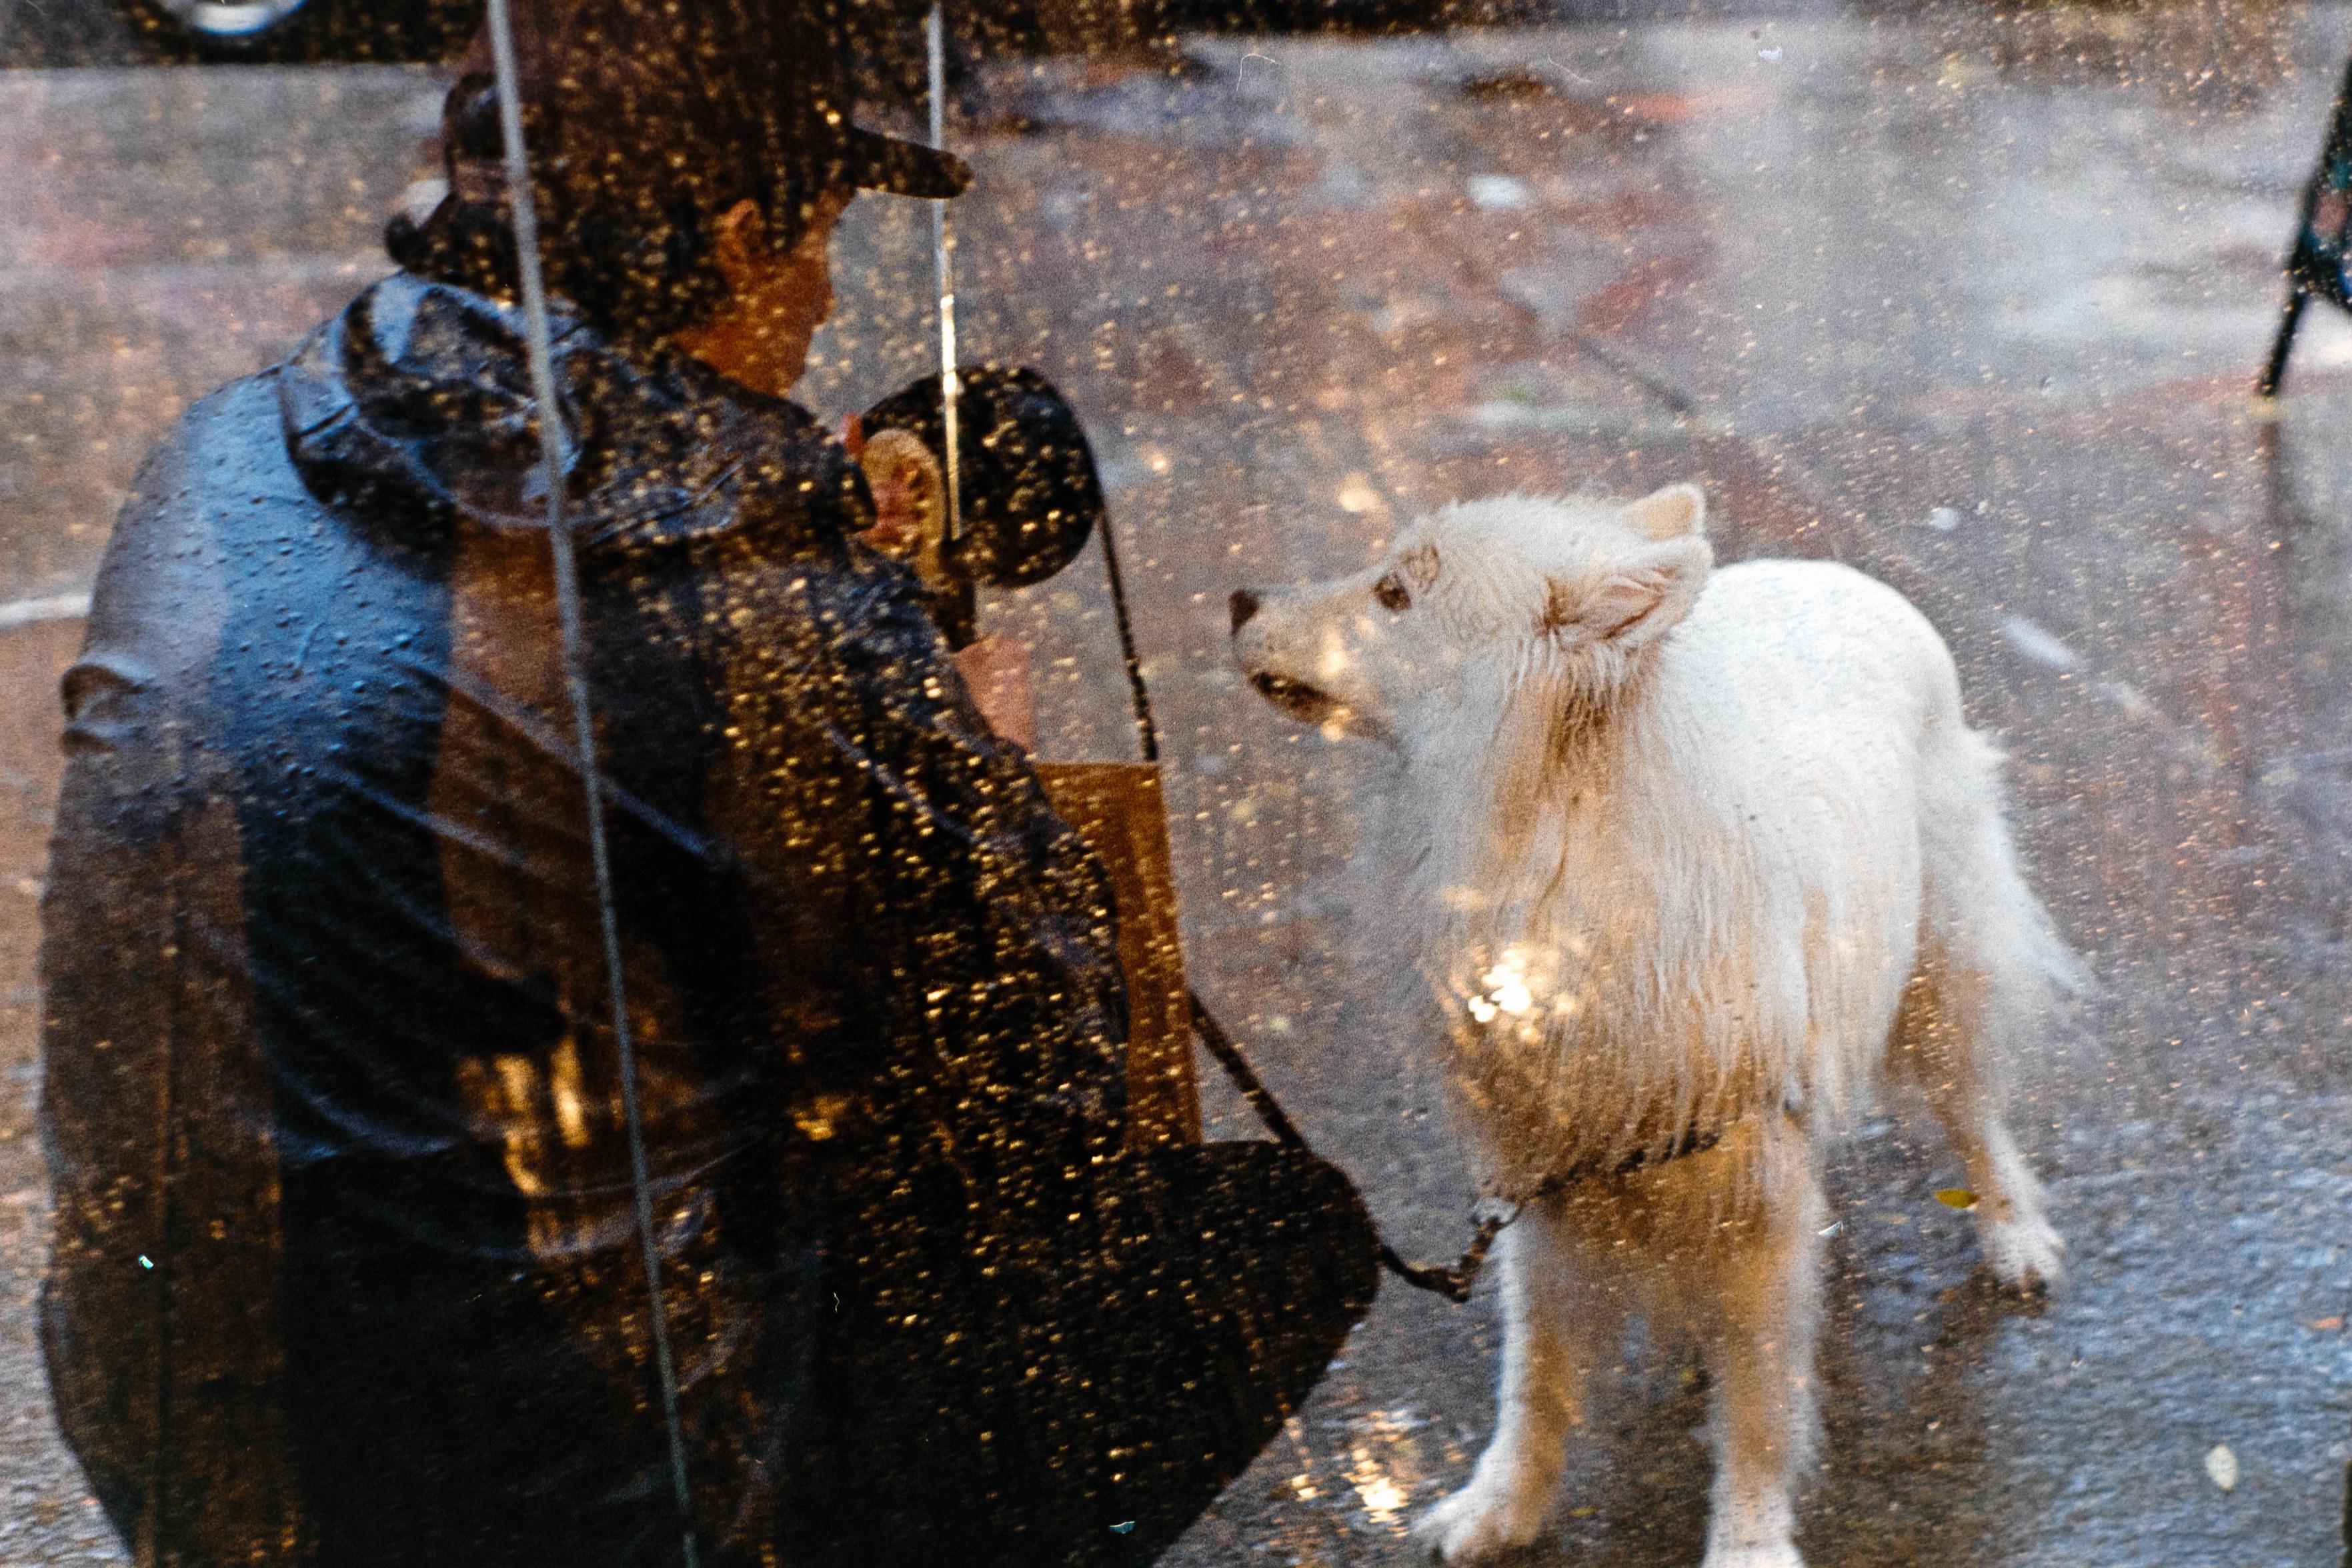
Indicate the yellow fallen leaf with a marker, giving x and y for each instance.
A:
(1957, 1197)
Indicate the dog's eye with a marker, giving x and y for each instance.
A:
(1391, 591)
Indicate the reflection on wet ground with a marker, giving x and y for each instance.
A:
(1969, 298)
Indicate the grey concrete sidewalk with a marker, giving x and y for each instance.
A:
(1969, 298)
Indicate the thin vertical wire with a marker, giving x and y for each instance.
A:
(555, 461)
(943, 270)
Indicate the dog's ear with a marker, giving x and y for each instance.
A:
(1670, 512)
(1632, 604)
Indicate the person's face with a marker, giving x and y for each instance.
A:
(776, 298)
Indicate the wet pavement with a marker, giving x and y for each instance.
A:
(1971, 298)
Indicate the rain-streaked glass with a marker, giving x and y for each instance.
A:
(318, 1070)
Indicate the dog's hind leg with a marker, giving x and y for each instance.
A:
(1944, 1037)
(1991, 972)
(1557, 1325)
(1757, 1291)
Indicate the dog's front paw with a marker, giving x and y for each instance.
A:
(1475, 1523)
(2023, 1252)
(1779, 1555)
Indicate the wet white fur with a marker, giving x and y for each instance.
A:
(1686, 853)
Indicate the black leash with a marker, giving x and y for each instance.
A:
(1147, 730)
(1452, 1283)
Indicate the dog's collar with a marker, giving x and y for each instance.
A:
(1557, 1182)
(1452, 1283)
(1692, 1142)
(1500, 1209)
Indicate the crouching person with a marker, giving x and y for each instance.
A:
(346, 1265)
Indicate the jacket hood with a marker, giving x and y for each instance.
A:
(416, 401)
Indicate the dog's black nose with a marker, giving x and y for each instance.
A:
(1243, 604)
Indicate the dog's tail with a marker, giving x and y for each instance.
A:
(1980, 913)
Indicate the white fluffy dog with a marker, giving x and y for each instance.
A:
(1691, 854)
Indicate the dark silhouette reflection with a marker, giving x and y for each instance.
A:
(348, 1261)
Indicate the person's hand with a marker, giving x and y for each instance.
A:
(909, 503)
(997, 671)
(910, 493)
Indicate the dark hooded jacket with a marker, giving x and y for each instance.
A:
(346, 1269)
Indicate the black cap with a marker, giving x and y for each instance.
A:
(719, 99)
(1028, 491)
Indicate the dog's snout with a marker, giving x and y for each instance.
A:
(1242, 605)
